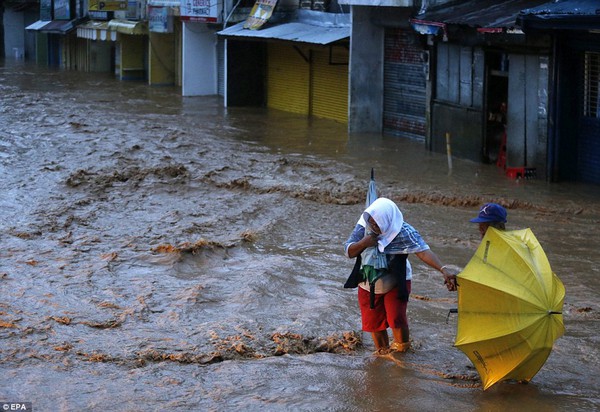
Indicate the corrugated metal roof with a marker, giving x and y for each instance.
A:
(562, 15)
(54, 26)
(37, 25)
(93, 24)
(128, 26)
(486, 14)
(321, 28)
(567, 7)
(164, 3)
(96, 30)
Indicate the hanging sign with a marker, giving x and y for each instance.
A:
(107, 5)
(260, 14)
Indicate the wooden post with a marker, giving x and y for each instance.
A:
(448, 152)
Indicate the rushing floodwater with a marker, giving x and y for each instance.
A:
(165, 253)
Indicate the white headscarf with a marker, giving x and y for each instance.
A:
(387, 216)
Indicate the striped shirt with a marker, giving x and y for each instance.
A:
(409, 240)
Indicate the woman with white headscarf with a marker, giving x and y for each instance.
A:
(381, 242)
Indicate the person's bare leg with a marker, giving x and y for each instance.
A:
(381, 340)
(401, 339)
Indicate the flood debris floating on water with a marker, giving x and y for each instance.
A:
(228, 348)
(296, 343)
(133, 175)
(192, 247)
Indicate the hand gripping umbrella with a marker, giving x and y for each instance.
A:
(509, 307)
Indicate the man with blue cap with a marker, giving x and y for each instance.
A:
(494, 215)
(490, 214)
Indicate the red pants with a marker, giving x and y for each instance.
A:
(389, 311)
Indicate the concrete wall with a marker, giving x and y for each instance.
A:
(14, 34)
(199, 67)
(365, 105)
(30, 37)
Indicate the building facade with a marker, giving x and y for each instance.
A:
(509, 82)
(574, 98)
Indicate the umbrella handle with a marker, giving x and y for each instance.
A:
(449, 312)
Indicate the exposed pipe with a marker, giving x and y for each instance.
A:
(552, 166)
(424, 6)
(449, 153)
(230, 13)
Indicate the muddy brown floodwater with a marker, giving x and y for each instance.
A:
(164, 253)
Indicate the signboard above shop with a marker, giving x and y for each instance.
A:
(160, 20)
(204, 11)
(62, 10)
(108, 5)
(46, 10)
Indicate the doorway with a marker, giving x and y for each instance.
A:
(496, 101)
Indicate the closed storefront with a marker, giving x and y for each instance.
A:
(330, 83)
(220, 66)
(574, 117)
(404, 89)
(457, 105)
(300, 67)
(577, 136)
(98, 47)
(307, 80)
(589, 122)
(288, 78)
(527, 122)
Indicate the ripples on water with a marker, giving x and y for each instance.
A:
(165, 252)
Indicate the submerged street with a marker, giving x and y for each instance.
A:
(161, 252)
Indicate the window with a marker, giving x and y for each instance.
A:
(591, 97)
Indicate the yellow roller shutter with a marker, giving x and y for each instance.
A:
(330, 83)
(288, 79)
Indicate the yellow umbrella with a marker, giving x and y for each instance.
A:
(509, 307)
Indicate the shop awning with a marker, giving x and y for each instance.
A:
(486, 16)
(564, 15)
(164, 3)
(304, 28)
(128, 26)
(96, 30)
(37, 25)
(57, 26)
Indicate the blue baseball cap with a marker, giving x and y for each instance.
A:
(491, 212)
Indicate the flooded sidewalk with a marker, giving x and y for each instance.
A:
(162, 252)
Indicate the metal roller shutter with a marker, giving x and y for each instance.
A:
(589, 157)
(589, 123)
(330, 83)
(404, 85)
(288, 79)
(221, 66)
